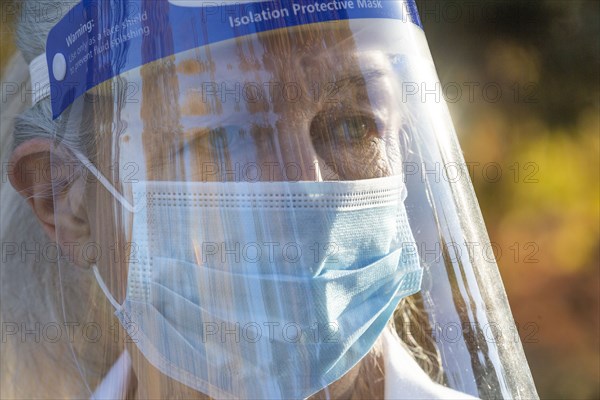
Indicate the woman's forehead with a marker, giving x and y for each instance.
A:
(278, 72)
(231, 92)
(257, 58)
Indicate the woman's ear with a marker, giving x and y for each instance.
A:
(46, 180)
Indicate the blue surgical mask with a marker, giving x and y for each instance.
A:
(265, 290)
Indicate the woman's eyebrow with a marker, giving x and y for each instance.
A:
(196, 126)
(359, 78)
(358, 88)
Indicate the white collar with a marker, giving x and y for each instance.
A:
(114, 385)
(404, 378)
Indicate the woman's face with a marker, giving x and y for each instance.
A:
(281, 106)
(297, 105)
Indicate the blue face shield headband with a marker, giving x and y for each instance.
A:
(99, 40)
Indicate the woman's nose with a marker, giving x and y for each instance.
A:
(294, 151)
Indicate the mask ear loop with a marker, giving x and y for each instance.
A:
(104, 288)
(92, 168)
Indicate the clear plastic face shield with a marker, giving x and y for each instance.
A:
(278, 213)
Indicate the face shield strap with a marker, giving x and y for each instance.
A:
(40, 80)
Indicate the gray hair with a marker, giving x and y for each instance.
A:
(31, 33)
(33, 284)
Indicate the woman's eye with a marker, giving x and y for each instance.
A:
(355, 129)
(224, 139)
(327, 129)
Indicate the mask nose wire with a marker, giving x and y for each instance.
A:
(102, 179)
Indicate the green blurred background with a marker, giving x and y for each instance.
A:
(523, 85)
